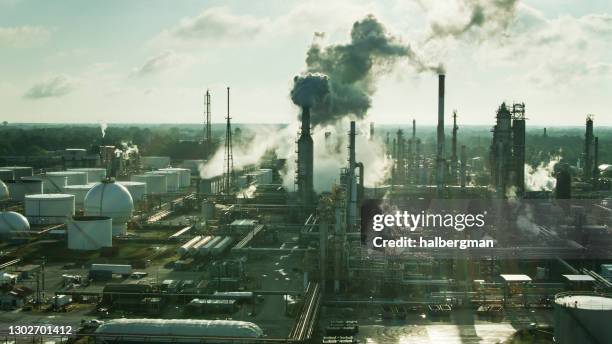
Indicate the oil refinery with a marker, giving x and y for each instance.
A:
(326, 227)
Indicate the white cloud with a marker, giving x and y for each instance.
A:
(53, 87)
(163, 62)
(22, 36)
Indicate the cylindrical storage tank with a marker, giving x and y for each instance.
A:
(195, 249)
(136, 189)
(193, 165)
(155, 162)
(19, 171)
(79, 192)
(208, 210)
(74, 177)
(53, 183)
(115, 330)
(172, 179)
(94, 174)
(184, 176)
(184, 249)
(18, 189)
(156, 183)
(110, 199)
(581, 318)
(49, 208)
(87, 233)
(6, 174)
(4, 191)
(12, 224)
(222, 246)
(207, 248)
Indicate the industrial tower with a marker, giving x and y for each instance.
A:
(207, 140)
(228, 167)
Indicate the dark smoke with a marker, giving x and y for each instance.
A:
(351, 70)
(496, 15)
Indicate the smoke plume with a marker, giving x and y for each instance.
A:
(489, 16)
(541, 178)
(103, 127)
(340, 79)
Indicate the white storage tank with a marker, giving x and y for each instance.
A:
(582, 318)
(113, 200)
(155, 162)
(87, 233)
(6, 174)
(4, 191)
(79, 192)
(12, 223)
(195, 249)
(114, 330)
(184, 249)
(74, 177)
(172, 179)
(184, 176)
(19, 189)
(53, 183)
(94, 174)
(156, 183)
(49, 208)
(19, 171)
(136, 189)
(193, 165)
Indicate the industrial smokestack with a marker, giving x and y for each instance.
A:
(463, 166)
(352, 181)
(440, 163)
(588, 149)
(454, 150)
(305, 163)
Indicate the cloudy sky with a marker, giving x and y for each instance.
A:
(150, 60)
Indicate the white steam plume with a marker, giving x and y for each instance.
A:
(541, 178)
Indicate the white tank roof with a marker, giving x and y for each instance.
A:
(4, 192)
(589, 302)
(181, 327)
(13, 222)
(49, 197)
(109, 199)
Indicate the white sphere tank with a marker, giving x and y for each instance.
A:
(79, 192)
(582, 318)
(184, 175)
(49, 208)
(155, 162)
(11, 222)
(156, 183)
(4, 191)
(137, 190)
(19, 189)
(87, 233)
(74, 177)
(94, 174)
(113, 200)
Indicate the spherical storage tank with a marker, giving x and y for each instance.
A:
(79, 192)
(19, 189)
(156, 183)
(4, 191)
(74, 177)
(136, 189)
(90, 232)
(184, 175)
(172, 179)
(113, 200)
(94, 174)
(582, 318)
(11, 222)
(49, 208)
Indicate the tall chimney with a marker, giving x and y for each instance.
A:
(440, 163)
(454, 149)
(463, 166)
(352, 181)
(305, 169)
(588, 149)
